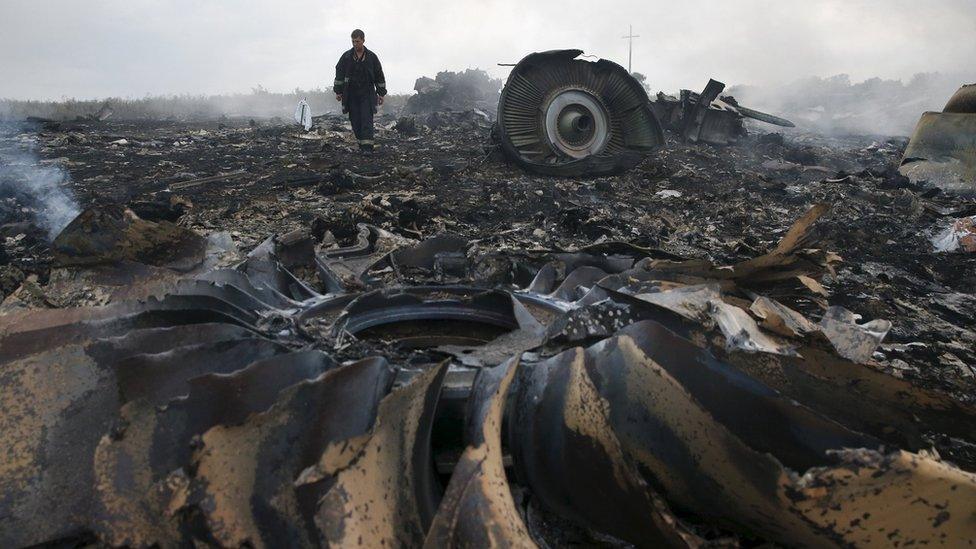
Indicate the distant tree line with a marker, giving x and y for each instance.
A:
(259, 103)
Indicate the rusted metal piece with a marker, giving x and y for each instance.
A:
(385, 492)
(560, 425)
(895, 500)
(860, 396)
(63, 386)
(140, 481)
(558, 115)
(54, 406)
(112, 234)
(477, 509)
(797, 436)
(144, 471)
(60, 395)
(713, 445)
(69, 396)
(244, 501)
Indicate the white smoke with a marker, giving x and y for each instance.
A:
(40, 188)
(836, 105)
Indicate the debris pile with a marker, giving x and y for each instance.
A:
(454, 91)
(707, 116)
(241, 406)
(112, 234)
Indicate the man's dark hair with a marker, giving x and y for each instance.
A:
(359, 34)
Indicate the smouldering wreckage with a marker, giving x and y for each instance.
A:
(560, 115)
(942, 154)
(431, 394)
(442, 392)
(942, 150)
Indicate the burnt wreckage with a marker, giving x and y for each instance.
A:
(708, 116)
(942, 150)
(559, 115)
(430, 394)
(460, 392)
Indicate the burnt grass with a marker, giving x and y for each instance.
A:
(695, 201)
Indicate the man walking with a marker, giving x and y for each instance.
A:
(360, 87)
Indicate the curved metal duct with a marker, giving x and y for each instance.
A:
(942, 149)
(963, 101)
(559, 115)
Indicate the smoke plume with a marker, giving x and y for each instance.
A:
(836, 105)
(31, 190)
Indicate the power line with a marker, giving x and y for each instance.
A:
(630, 51)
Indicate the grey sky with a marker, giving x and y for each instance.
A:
(130, 48)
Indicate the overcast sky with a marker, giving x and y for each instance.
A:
(130, 48)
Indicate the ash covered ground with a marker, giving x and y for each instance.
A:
(356, 423)
(440, 172)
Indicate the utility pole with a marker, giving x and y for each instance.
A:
(630, 51)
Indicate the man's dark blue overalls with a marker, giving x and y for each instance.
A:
(360, 80)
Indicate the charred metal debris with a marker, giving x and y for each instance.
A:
(398, 392)
(942, 149)
(454, 91)
(560, 115)
(668, 357)
(708, 116)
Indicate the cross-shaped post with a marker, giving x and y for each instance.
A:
(630, 51)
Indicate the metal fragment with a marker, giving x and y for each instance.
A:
(245, 502)
(477, 509)
(942, 149)
(384, 491)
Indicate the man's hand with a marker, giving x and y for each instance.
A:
(339, 97)
(379, 99)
